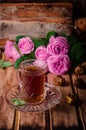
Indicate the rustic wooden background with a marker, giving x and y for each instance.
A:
(79, 5)
(34, 20)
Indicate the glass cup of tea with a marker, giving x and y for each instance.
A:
(31, 79)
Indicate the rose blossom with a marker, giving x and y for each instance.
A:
(26, 45)
(41, 53)
(15, 54)
(10, 50)
(58, 45)
(59, 64)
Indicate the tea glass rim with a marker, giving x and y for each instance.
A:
(21, 68)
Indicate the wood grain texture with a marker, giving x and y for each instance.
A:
(17, 120)
(64, 115)
(33, 11)
(35, 19)
(32, 120)
(81, 92)
(7, 80)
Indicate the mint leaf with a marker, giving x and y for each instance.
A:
(18, 37)
(51, 33)
(7, 64)
(4, 64)
(18, 102)
(18, 61)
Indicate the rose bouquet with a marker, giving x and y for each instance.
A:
(60, 52)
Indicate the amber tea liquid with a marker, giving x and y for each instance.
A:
(33, 84)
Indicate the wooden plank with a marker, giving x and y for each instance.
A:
(32, 29)
(27, 11)
(7, 80)
(48, 120)
(32, 120)
(16, 120)
(64, 115)
(24, 18)
(36, 12)
(81, 92)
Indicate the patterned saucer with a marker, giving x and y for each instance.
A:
(53, 96)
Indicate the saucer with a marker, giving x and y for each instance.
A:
(53, 96)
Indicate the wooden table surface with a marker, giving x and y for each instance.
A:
(62, 116)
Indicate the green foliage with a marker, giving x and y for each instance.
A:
(18, 37)
(18, 102)
(51, 33)
(32, 55)
(63, 34)
(72, 40)
(18, 61)
(77, 54)
(39, 42)
(4, 64)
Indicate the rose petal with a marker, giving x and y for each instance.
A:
(58, 64)
(26, 45)
(41, 53)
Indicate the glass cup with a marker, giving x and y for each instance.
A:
(31, 78)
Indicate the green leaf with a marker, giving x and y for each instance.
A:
(63, 34)
(39, 42)
(77, 54)
(51, 33)
(7, 64)
(18, 61)
(18, 37)
(18, 102)
(4, 64)
(72, 40)
(32, 55)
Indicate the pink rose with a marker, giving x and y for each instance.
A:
(41, 53)
(15, 54)
(59, 64)
(26, 45)
(8, 48)
(58, 45)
